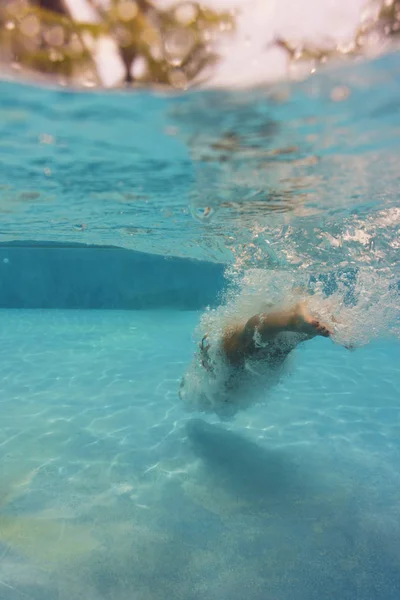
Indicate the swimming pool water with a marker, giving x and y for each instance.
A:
(110, 490)
(290, 177)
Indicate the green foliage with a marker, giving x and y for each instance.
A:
(173, 46)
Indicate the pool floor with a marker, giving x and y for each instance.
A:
(109, 490)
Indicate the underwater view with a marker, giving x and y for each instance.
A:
(200, 322)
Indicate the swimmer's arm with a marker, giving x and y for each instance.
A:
(238, 343)
(268, 325)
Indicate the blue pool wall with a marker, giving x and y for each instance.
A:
(78, 276)
(34, 275)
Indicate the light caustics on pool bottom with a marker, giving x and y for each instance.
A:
(110, 490)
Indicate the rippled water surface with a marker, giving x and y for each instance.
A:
(305, 172)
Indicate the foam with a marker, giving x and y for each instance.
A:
(371, 313)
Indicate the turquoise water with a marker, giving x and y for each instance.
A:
(109, 488)
(116, 492)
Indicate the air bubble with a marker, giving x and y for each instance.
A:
(177, 44)
(302, 69)
(46, 138)
(203, 213)
(340, 93)
(186, 13)
(178, 79)
(30, 26)
(54, 36)
(127, 10)
(56, 55)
